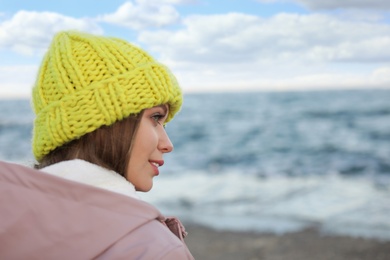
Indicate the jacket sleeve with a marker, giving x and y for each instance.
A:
(150, 241)
(177, 253)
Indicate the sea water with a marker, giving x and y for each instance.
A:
(268, 161)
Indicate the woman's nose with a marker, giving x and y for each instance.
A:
(165, 145)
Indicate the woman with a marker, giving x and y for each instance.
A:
(101, 105)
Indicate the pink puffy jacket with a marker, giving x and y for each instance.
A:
(47, 217)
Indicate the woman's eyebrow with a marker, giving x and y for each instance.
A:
(164, 107)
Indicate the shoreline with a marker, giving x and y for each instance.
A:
(206, 243)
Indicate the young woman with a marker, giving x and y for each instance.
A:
(101, 105)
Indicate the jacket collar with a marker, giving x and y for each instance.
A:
(87, 173)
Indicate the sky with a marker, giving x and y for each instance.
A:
(214, 46)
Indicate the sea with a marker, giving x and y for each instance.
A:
(274, 162)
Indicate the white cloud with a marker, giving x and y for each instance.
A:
(205, 80)
(277, 52)
(29, 32)
(12, 84)
(143, 14)
(241, 38)
(381, 75)
(172, 2)
(334, 4)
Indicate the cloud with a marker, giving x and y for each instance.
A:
(12, 84)
(144, 14)
(242, 38)
(172, 2)
(30, 32)
(336, 4)
(204, 82)
(382, 75)
(280, 51)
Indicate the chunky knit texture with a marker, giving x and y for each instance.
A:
(87, 81)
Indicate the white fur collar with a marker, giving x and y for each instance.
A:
(92, 174)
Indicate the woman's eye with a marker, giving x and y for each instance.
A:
(158, 118)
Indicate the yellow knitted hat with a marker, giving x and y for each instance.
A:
(87, 81)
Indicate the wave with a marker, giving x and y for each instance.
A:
(233, 200)
(347, 114)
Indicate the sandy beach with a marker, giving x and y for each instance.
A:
(206, 243)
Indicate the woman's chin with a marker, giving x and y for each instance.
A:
(145, 188)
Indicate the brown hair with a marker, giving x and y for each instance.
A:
(108, 146)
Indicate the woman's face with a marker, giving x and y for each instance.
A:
(150, 143)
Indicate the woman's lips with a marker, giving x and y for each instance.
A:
(155, 165)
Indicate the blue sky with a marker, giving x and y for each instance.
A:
(231, 45)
